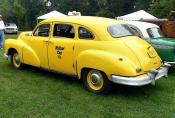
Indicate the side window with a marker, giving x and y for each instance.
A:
(42, 30)
(63, 30)
(85, 34)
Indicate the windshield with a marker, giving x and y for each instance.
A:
(120, 30)
(10, 24)
(155, 32)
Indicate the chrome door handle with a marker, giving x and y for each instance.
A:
(47, 41)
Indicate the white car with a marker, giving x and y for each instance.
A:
(11, 28)
(145, 30)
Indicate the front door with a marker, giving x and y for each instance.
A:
(61, 48)
(38, 42)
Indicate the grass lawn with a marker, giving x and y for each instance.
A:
(36, 93)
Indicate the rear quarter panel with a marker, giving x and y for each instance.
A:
(104, 61)
(103, 56)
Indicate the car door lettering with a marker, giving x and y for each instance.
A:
(59, 48)
(59, 51)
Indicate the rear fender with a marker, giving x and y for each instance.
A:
(106, 62)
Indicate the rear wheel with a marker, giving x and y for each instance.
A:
(96, 81)
(15, 60)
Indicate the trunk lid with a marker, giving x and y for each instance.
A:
(144, 52)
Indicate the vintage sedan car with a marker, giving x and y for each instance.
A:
(152, 34)
(97, 50)
(11, 28)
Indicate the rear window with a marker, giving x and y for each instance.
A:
(155, 32)
(120, 30)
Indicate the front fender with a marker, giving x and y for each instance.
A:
(14, 44)
(30, 57)
(26, 53)
(105, 61)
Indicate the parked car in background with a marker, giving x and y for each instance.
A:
(153, 34)
(11, 28)
(99, 53)
(166, 25)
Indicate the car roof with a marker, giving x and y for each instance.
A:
(140, 24)
(97, 25)
(84, 20)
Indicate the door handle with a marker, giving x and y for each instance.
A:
(47, 41)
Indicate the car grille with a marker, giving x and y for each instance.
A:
(10, 28)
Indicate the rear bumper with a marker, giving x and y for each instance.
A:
(148, 78)
(173, 63)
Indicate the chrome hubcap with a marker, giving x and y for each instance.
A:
(17, 60)
(96, 79)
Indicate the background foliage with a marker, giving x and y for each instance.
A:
(24, 12)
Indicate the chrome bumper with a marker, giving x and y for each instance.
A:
(148, 78)
(173, 63)
(5, 56)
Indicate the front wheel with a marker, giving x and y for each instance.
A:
(96, 81)
(15, 60)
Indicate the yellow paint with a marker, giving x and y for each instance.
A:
(118, 56)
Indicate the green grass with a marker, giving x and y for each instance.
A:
(36, 93)
(12, 36)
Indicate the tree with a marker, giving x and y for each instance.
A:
(143, 4)
(161, 8)
(25, 12)
(18, 11)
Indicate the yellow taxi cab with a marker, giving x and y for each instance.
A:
(97, 50)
